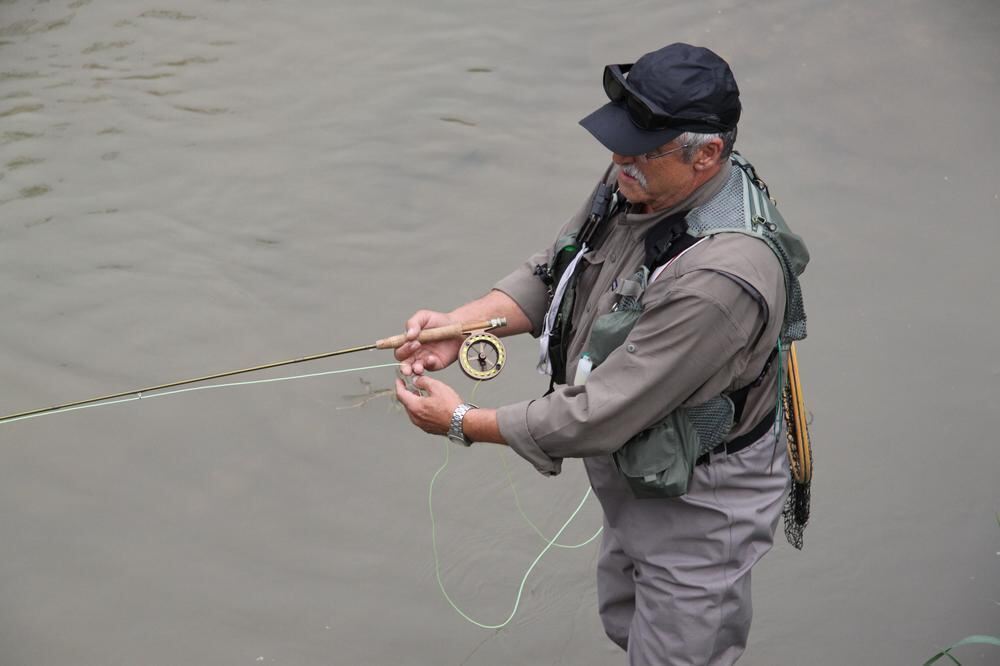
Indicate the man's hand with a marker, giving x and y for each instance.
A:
(432, 412)
(415, 357)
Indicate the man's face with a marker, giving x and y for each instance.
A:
(656, 180)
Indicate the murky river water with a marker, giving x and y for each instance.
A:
(189, 187)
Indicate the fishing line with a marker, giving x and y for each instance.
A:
(142, 395)
(517, 501)
(524, 579)
(482, 357)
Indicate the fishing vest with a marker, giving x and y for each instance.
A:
(658, 461)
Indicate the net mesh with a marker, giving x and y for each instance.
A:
(712, 420)
(795, 513)
(727, 211)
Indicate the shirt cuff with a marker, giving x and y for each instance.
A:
(513, 423)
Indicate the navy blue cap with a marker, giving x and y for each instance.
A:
(691, 83)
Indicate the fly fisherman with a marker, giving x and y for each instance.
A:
(662, 307)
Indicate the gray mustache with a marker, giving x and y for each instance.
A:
(633, 170)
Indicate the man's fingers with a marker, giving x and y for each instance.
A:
(417, 323)
(406, 397)
(406, 350)
(426, 383)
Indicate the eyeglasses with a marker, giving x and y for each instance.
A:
(644, 113)
(646, 157)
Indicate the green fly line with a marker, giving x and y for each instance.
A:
(549, 543)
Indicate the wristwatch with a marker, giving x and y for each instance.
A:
(455, 432)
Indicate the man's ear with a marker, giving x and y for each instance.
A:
(708, 155)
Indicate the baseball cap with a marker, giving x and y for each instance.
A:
(678, 88)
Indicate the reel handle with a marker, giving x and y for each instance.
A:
(443, 332)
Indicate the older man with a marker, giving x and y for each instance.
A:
(662, 309)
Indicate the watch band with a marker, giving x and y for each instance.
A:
(456, 433)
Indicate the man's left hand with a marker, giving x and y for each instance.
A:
(432, 412)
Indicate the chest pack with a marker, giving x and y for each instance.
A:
(658, 461)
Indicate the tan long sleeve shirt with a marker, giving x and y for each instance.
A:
(703, 331)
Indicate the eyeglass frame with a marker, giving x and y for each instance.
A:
(619, 92)
(648, 157)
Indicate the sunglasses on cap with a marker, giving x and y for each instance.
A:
(645, 114)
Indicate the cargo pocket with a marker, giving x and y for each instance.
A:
(610, 330)
(658, 462)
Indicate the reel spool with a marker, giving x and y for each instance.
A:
(482, 355)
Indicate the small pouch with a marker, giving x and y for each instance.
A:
(610, 330)
(658, 462)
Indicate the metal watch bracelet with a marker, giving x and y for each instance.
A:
(456, 433)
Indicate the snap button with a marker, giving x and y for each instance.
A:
(630, 347)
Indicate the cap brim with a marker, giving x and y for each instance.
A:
(612, 126)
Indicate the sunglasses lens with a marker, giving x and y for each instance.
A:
(641, 114)
(613, 88)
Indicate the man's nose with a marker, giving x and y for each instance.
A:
(622, 159)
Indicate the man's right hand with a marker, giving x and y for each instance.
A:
(415, 357)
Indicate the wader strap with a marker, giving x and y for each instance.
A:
(741, 442)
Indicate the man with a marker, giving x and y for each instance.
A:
(676, 279)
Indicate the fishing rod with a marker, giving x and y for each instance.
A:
(481, 357)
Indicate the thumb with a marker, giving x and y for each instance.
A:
(428, 384)
(404, 396)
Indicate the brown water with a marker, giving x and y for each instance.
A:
(188, 187)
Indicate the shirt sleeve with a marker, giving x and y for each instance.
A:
(691, 340)
(528, 290)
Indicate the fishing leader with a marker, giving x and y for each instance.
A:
(662, 308)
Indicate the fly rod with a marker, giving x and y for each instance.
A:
(481, 357)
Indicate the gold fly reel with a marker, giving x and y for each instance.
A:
(482, 355)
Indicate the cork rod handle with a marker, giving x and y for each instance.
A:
(443, 332)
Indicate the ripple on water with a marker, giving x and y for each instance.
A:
(29, 192)
(11, 137)
(31, 26)
(459, 121)
(23, 161)
(23, 108)
(207, 110)
(41, 220)
(166, 14)
(33, 191)
(143, 77)
(105, 46)
(14, 75)
(195, 60)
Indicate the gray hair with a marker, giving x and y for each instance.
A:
(695, 141)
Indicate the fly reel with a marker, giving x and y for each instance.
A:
(482, 355)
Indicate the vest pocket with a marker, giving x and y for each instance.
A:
(658, 462)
